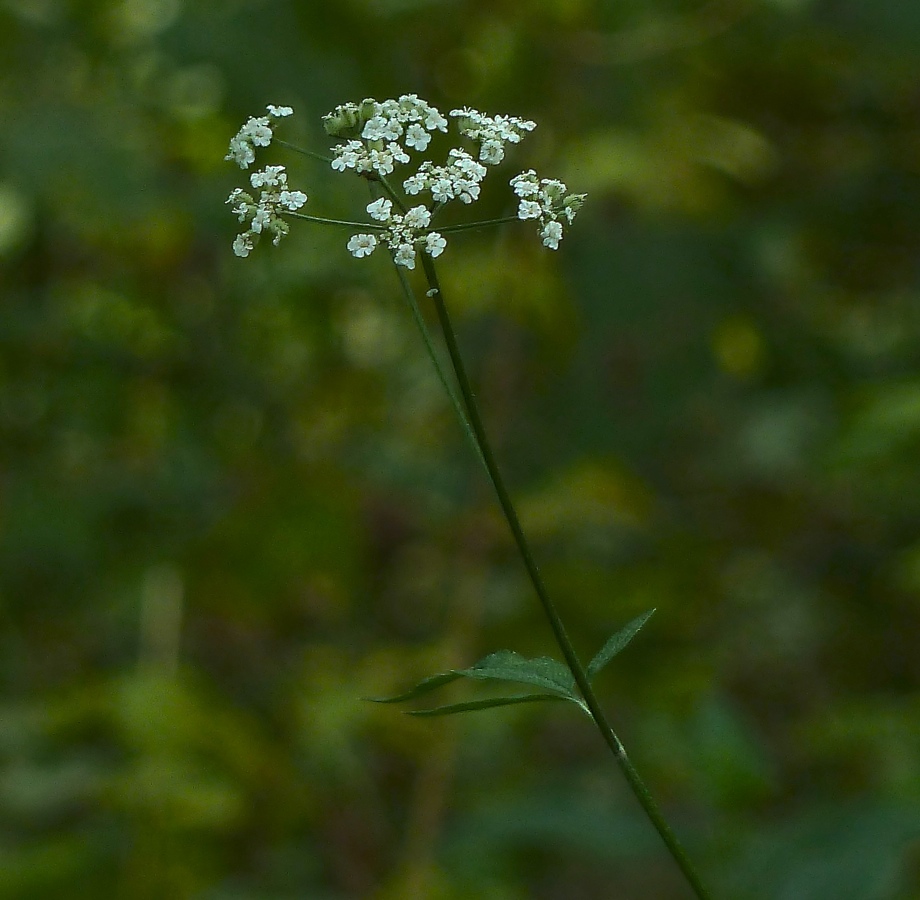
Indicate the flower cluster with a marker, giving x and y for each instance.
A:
(491, 132)
(375, 129)
(374, 138)
(460, 178)
(401, 233)
(546, 199)
(257, 132)
(263, 215)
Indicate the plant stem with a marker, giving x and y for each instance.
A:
(467, 226)
(302, 152)
(438, 366)
(374, 226)
(562, 639)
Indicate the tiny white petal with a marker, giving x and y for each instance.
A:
(279, 111)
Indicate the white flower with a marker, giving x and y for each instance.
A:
(491, 132)
(525, 184)
(242, 201)
(417, 217)
(241, 152)
(270, 176)
(467, 191)
(380, 209)
(405, 256)
(379, 160)
(292, 199)
(552, 234)
(434, 244)
(442, 190)
(374, 129)
(397, 152)
(528, 209)
(414, 184)
(434, 120)
(417, 138)
(465, 163)
(262, 218)
(242, 246)
(492, 152)
(279, 111)
(362, 245)
(257, 131)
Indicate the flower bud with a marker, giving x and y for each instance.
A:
(343, 121)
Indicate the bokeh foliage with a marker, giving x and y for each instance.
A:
(233, 500)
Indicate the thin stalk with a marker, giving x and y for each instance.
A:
(302, 152)
(486, 223)
(374, 226)
(438, 367)
(562, 639)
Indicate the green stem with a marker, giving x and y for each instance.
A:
(466, 226)
(300, 150)
(562, 639)
(438, 367)
(374, 226)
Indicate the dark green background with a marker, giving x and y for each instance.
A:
(233, 499)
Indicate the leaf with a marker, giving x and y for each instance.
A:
(541, 671)
(472, 705)
(504, 665)
(616, 643)
(423, 687)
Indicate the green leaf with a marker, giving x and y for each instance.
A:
(423, 687)
(616, 643)
(504, 665)
(453, 708)
(541, 671)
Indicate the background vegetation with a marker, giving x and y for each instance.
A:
(233, 499)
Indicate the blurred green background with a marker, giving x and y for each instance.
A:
(233, 499)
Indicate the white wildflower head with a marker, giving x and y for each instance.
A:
(547, 200)
(373, 139)
(256, 132)
(491, 132)
(378, 136)
(403, 233)
(264, 213)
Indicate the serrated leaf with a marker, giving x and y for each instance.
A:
(541, 671)
(616, 643)
(472, 705)
(423, 687)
